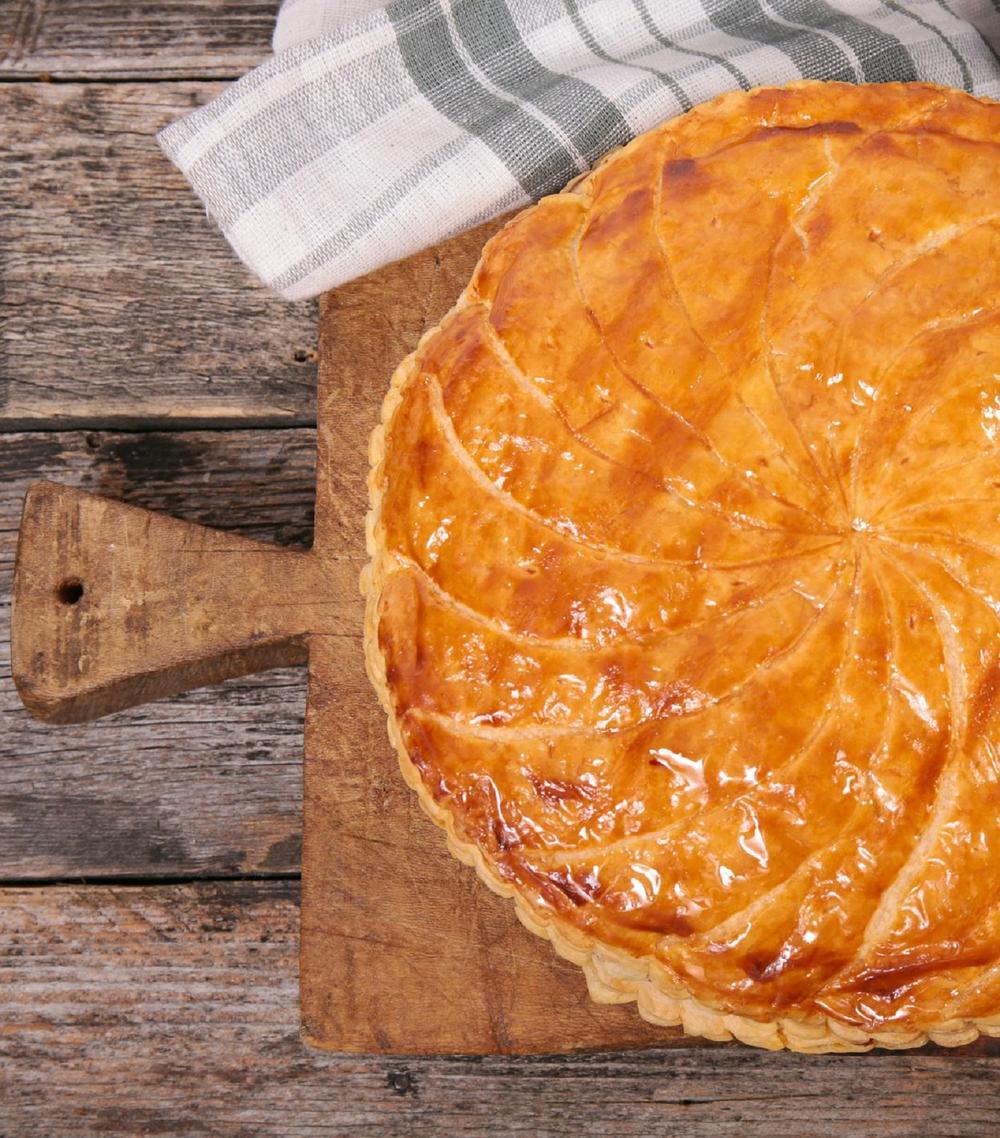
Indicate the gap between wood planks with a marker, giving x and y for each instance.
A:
(127, 879)
(122, 77)
(135, 425)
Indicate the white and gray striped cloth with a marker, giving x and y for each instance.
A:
(373, 132)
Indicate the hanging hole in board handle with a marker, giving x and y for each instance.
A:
(70, 591)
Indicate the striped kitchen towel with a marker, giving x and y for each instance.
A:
(373, 132)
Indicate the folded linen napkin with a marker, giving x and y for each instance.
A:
(376, 131)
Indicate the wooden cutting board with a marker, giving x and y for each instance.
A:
(403, 950)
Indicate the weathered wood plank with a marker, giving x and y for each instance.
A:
(106, 38)
(172, 1010)
(209, 782)
(120, 303)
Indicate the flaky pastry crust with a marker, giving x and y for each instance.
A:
(806, 131)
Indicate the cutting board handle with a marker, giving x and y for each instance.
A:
(115, 605)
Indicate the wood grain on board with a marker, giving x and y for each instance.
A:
(114, 606)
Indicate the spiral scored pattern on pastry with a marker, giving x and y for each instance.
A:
(685, 588)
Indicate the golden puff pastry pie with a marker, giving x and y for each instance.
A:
(685, 587)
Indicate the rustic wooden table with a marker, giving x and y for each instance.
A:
(149, 861)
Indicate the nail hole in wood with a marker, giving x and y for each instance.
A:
(70, 591)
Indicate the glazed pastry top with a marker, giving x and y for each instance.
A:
(689, 555)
